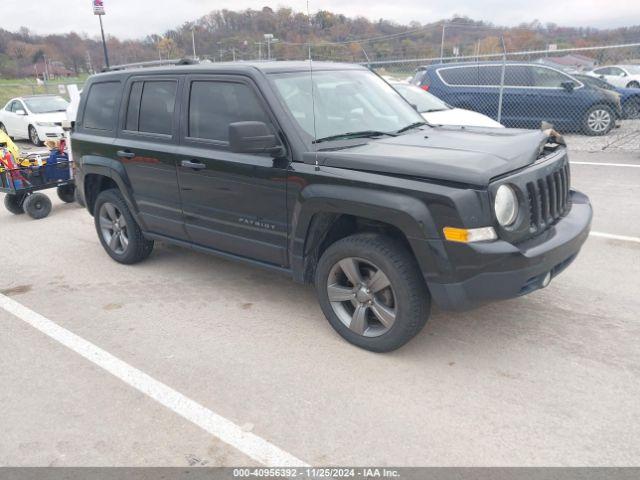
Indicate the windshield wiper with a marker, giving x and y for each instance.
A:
(348, 135)
(431, 110)
(411, 126)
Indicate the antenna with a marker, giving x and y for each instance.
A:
(313, 95)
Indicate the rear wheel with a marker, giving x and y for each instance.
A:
(37, 206)
(119, 233)
(13, 203)
(372, 292)
(599, 120)
(67, 193)
(4, 129)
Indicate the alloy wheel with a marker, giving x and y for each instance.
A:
(599, 120)
(113, 227)
(33, 136)
(362, 296)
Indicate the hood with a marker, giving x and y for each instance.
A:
(50, 117)
(458, 154)
(460, 116)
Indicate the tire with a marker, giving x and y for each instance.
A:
(67, 193)
(4, 129)
(357, 314)
(633, 84)
(631, 108)
(37, 206)
(598, 120)
(13, 203)
(117, 230)
(79, 199)
(33, 136)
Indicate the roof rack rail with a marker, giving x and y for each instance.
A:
(153, 63)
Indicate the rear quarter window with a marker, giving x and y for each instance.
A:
(102, 106)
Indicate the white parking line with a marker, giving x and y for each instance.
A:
(248, 443)
(624, 238)
(603, 164)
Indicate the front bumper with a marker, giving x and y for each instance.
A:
(500, 270)
(49, 133)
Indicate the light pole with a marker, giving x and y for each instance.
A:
(193, 41)
(98, 9)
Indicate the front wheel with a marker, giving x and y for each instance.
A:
(599, 120)
(118, 231)
(633, 84)
(372, 292)
(631, 108)
(37, 206)
(33, 136)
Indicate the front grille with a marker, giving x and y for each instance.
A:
(548, 198)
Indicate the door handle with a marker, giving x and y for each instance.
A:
(125, 154)
(194, 164)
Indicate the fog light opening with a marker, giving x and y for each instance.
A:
(546, 280)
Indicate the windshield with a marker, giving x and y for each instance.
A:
(424, 101)
(594, 82)
(46, 104)
(345, 101)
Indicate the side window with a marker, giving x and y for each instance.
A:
(546, 77)
(603, 71)
(460, 75)
(490, 75)
(157, 104)
(13, 106)
(616, 71)
(102, 104)
(214, 105)
(518, 76)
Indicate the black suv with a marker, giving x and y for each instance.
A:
(331, 177)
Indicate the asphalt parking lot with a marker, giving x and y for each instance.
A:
(212, 350)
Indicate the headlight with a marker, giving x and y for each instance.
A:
(506, 205)
(46, 124)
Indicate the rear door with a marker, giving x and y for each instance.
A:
(232, 202)
(147, 145)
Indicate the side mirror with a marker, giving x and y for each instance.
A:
(21, 112)
(253, 137)
(568, 86)
(67, 125)
(601, 77)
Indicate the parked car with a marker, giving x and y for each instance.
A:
(37, 118)
(353, 192)
(625, 76)
(533, 93)
(437, 112)
(629, 97)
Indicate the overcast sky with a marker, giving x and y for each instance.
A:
(137, 18)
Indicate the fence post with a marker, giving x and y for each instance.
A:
(504, 67)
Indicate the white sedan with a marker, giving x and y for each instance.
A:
(437, 112)
(37, 118)
(622, 76)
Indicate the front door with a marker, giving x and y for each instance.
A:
(232, 202)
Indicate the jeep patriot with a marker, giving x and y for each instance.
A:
(331, 177)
